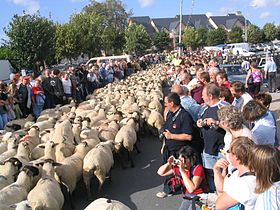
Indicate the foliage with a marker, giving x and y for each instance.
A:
(270, 31)
(66, 45)
(31, 38)
(88, 29)
(255, 34)
(137, 39)
(190, 37)
(235, 35)
(161, 40)
(202, 34)
(216, 36)
(6, 53)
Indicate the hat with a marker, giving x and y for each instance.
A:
(106, 204)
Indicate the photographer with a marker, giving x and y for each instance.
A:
(190, 173)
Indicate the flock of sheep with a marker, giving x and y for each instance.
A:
(71, 142)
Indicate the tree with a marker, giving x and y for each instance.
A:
(115, 21)
(216, 36)
(88, 28)
(270, 31)
(137, 39)
(235, 35)
(255, 34)
(161, 40)
(202, 36)
(66, 45)
(190, 37)
(31, 38)
(6, 53)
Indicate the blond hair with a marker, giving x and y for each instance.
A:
(265, 162)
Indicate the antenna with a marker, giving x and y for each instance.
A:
(192, 6)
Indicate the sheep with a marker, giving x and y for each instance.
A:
(104, 203)
(96, 121)
(46, 194)
(70, 171)
(11, 151)
(48, 152)
(155, 105)
(46, 135)
(63, 150)
(46, 124)
(63, 133)
(18, 124)
(126, 138)
(98, 162)
(108, 131)
(8, 171)
(18, 190)
(155, 120)
(77, 127)
(23, 205)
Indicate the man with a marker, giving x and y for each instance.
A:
(187, 102)
(222, 79)
(270, 69)
(213, 136)
(241, 98)
(178, 128)
(177, 131)
(24, 92)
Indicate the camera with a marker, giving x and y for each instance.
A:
(204, 123)
(161, 136)
(176, 161)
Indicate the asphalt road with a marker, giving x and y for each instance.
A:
(135, 187)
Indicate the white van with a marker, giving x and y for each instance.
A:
(242, 45)
(5, 70)
(242, 52)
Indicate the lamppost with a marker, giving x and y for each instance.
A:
(180, 28)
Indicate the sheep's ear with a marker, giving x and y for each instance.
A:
(42, 146)
(56, 164)
(13, 206)
(55, 144)
(31, 170)
(2, 163)
(36, 127)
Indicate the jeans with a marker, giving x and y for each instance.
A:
(37, 109)
(208, 162)
(187, 205)
(3, 120)
(271, 80)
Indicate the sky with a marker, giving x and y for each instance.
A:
(258, 12)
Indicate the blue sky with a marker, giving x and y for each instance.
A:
(258, 12)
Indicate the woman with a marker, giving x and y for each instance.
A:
(190, 172)
(254, 86)
(265, 162)
(230, 119)
(261, 122)
(38, 98)
(238, 188)
(3, 103)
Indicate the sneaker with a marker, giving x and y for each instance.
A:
(162, 194)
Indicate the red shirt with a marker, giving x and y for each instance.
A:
(197, 171)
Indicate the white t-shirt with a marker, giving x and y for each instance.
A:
(66, 85)
(270, 199)
(241, 189)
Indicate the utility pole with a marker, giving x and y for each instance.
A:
(245, 30)
(180, 28)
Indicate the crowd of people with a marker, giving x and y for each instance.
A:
(48, 87)
(220, 137)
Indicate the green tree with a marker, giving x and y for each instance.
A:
(6, 53)
(137, 39)
(202, 36)
(32, 39)
(66, 45)
(270, 31)
(216, 36)
(115, 21)
(88, 28)
(255, 34)
(161, 40)
(235, 35)
(190, 38)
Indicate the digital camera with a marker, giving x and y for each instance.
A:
(176, 161)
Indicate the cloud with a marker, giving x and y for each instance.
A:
(265, 3)
(226, 10)
(146, 3)
(264, 15)
(31, 6)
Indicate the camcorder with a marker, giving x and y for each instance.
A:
(176, 161)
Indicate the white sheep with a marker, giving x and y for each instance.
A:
(98, 162)
(46, 124)
(18, 190)
(46, 194)
(126, 138)
(108, 131)
(63, 133)
(23, 205)
(71, 168)
(8, 171)
(12, 150)
(155, 120)
(63, 150)
(104, 204)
